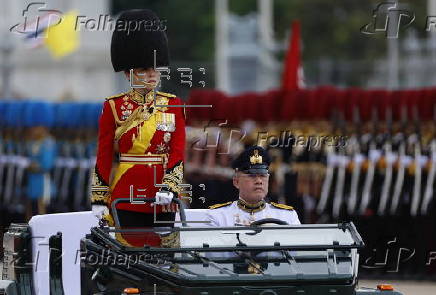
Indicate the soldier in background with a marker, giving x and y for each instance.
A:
(41, 151)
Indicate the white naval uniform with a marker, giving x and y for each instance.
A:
(229, 214)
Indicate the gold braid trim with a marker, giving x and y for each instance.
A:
(99, 196)
(116, 96)
(139, 115)
(220, 205)
(131, 122)
(251, 208)
(171, 240)
(174, 177)
(114, 112)
(282, 206)
(99, 190)
(109, 220)
(140, 98)
(165, 94)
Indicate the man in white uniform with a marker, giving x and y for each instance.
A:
(251, 179)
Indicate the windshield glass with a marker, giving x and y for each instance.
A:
(312, 252)
(299, 236)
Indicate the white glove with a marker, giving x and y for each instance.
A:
(99, 211)
(163, 198)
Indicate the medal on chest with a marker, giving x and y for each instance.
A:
(166, 122)
(245, 220)
(163, 147)
(126, 110)
(167, 137)
(237, 219)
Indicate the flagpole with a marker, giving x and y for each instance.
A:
(431, 10)
(6, 66)
(267, 74)
(393, 54)
(221, 46)
(6, 49)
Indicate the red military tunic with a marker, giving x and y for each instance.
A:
(148, 138)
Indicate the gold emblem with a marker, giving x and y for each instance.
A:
(256, 158)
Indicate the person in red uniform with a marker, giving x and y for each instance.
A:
(142, 127)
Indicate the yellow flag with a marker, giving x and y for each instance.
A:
(63, 39)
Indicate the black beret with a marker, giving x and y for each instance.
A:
(253, 160)
(137, 33)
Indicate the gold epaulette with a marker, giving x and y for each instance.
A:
(282, 206)
(116, 96)
(220, 205)
(169, 95)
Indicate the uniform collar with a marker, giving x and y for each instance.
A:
(140, 98)
(251, 208)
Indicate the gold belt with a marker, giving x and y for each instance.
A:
(147, 159)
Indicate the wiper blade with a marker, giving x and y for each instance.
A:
(206, 260)
(292, 264)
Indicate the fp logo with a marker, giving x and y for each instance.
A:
(41, 19)
(388, 19)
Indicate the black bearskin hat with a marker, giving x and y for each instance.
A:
(137, 33)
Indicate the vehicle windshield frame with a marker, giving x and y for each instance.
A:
(347, 226)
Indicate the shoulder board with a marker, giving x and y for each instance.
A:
(282, 206)
(220, 205)
(165, 94)
(116, 96)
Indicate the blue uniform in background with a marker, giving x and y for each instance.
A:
(42, 155)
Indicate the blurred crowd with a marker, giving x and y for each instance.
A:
(377, 171)
(379, 174)
(367, 156)
(46, 155)
(337, 152)
(328, 169)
